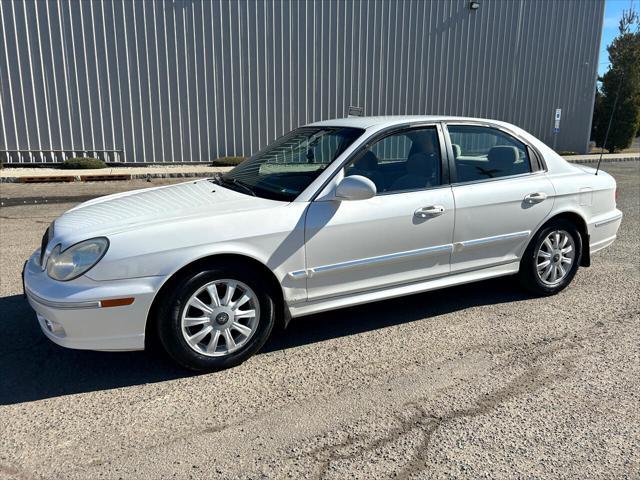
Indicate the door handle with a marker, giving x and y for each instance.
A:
(430, 211)
(535, 198)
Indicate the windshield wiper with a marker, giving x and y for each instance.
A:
(221, 180)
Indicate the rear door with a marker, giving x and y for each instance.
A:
(501, 193)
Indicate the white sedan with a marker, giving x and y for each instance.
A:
(332, 214)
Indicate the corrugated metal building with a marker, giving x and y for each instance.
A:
(191, 80)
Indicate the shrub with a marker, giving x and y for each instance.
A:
(82, 163)
(228, 161)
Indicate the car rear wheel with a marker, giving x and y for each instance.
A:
(216, 318)
(552, 258)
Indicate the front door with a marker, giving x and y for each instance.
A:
(402, 235)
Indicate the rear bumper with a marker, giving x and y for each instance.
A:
(603, 230)
(71, 314)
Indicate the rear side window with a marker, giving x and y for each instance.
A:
(482, 153)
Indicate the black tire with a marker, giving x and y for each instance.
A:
(169, 320)
(528, 273)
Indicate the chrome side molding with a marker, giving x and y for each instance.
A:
(480, 242)
(352, 264)
(456, 247)
(608, 221)
(62, 305)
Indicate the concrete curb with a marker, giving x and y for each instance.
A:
(207, 173)
(604, 159)
(105, 177)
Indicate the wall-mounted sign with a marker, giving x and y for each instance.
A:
(556, 126)
(355, 111)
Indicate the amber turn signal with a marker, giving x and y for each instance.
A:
(116, 302)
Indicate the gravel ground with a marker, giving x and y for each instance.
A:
(474, 381)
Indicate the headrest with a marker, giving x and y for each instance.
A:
(418, 164)
(367, 162)
(503, 156)
(456, 150)
(423, 141)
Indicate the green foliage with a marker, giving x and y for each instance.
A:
(82, 163)
(622, 80)
(228, 161)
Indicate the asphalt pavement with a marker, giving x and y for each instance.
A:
(481, 380)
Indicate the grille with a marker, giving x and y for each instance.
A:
(43, 245)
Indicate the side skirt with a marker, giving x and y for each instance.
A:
(333, 303)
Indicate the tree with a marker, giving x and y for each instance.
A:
(620, 88)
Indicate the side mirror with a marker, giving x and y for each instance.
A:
(355, 187)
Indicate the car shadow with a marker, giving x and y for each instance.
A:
(33, 368)
(412, 308)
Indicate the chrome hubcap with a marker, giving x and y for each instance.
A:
(555, 257)
(220, 317)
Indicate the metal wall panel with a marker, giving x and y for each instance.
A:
(191, 80)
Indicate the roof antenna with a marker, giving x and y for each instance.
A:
(606, 135)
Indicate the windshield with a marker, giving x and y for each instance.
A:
(282, 170)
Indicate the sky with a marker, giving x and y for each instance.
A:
(612, 14)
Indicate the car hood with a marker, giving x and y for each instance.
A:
(132, 210)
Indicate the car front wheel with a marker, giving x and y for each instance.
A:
(552, 258)
(216, 319)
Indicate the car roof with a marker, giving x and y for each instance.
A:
(391, 120)
(553, 161)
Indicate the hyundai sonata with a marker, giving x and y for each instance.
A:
(332, 214)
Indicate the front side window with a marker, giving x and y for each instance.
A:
(407, 160)
(482, 153)
(282, 170)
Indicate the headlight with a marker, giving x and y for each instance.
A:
(77, 259)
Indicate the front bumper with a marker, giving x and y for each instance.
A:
(71, 314)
